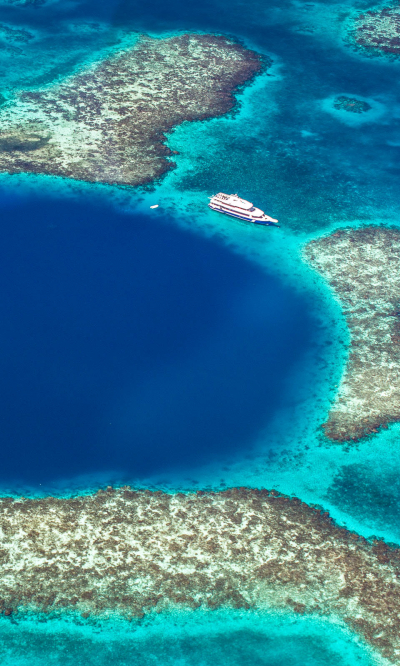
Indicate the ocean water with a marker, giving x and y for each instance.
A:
(177, 348)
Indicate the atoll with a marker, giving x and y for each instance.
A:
(363, 268)
(108, 123)
(378, 31)
(351, 104)
(133, 552)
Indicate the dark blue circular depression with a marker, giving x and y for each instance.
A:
(128, 344)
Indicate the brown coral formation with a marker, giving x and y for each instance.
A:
(363, 268)
(107, 124)
(351, 104)
(131, 552)
(378, 31)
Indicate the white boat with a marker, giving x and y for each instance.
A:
(231, 204)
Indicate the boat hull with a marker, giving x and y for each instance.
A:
(264, 223)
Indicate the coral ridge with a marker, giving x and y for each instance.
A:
(132, 551)
(108, 123)
(377, 32)
(363, 268)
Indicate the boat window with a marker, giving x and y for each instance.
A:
(252, 208)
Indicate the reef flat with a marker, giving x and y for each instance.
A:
(107, 124)
(133, 552)
(363, 268)
(378, 31)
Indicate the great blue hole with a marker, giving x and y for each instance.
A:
(128, 344)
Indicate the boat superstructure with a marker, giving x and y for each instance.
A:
(232, 204)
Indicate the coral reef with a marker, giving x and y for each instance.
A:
(378, 31)
(363, 268)
(351, 104)
(131, 552)
(107, 123)
(14, 35)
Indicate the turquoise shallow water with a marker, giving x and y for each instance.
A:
(316, 169)
(233, 638)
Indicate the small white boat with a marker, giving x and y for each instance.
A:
(231, 204)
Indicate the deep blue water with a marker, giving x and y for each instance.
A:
(128, 344)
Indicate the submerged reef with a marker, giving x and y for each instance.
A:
(368, 493)
(378, 31)
(14, 35)
(133, 552)
(108, 123)
(23, 3)
(363, 268)
(351, 104)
